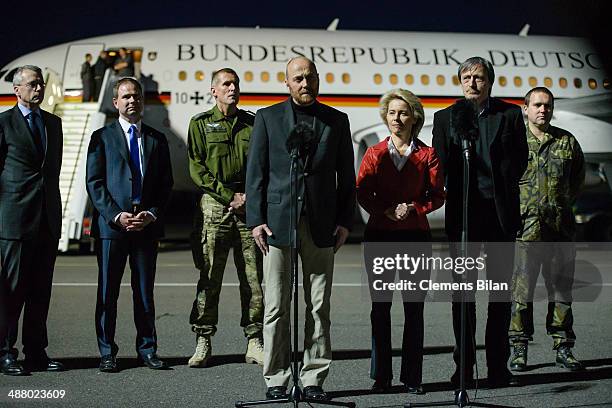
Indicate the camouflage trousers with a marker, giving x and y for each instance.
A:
(216, 230)
(556, 261)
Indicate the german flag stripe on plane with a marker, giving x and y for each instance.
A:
(265, 99)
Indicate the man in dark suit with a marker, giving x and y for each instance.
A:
(326, 197)
(499, 158)
(99, 69)
(30, 221)
(129, 180)
(87, 78)
(124, 64)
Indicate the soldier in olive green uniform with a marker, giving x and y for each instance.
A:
(218, 145)
(554, 176)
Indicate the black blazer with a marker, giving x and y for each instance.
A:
(28, 186)
(327, 183)
(509, 154)
(109, 179)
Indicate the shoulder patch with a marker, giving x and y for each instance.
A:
(202, 115)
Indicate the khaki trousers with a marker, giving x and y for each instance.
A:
(317, 272)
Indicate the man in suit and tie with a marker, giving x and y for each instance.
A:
(499, 158)
(129, 180)
(326, 197)
(30, 222)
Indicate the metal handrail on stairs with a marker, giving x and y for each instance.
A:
(76, 163)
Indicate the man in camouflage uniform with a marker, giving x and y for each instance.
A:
(554, 176)
(218, 145)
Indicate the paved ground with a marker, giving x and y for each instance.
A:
(72, 340)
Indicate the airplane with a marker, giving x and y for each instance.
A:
(355, 69)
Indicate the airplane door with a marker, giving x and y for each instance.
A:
(75, 56)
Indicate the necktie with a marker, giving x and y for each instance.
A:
(35, 126)
(135, 165)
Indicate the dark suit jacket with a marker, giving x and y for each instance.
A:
(328, 181)
(86, 72)
(28, 186)
(508, 151)
(109, 177)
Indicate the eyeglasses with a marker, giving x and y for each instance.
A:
(33, 84)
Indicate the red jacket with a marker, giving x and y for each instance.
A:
(380, 185)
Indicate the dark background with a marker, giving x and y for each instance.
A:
(32, 25)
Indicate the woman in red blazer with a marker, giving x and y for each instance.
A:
(400, 181)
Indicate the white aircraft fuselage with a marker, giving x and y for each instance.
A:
(355, 69)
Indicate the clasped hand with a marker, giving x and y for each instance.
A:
(131, 222)
(237, 205)
(400, 212)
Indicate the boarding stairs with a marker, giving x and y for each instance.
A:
(77, 120)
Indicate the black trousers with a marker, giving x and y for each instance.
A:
(411, 371)
(26, 274)
(97, 87)
(485, 231)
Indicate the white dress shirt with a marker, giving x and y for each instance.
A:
(398, 159)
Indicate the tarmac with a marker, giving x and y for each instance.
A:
(228, 379)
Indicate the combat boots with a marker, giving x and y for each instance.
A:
(255, 351)
(202, 353)
(566, 359)
(518, 362)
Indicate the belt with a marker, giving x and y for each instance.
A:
(236, 186)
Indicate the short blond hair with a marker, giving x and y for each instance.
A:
(413, 102)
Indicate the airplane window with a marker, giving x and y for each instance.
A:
(199, 76)
(578, 82)
(280, 76)
(265, 76)
(425, 79)
(440, 79)
(409, 79)
(182, 75)
(377, 79)
(502, 80)
(563, 82)
(518, 81)
(329, 78)
(346, 78)
(455, 80)
(592, 83)
(607, 84)
(393, 79)
(533, 82)
(248, 76)
(548, 82)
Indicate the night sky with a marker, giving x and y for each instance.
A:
(28, 29)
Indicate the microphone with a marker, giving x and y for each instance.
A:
(300, 140)
(464, 120)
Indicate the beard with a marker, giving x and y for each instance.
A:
(304, 98)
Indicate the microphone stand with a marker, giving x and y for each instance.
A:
(461, 395)
(296, 396)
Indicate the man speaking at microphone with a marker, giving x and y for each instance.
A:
(326, 204)
(498, 159)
